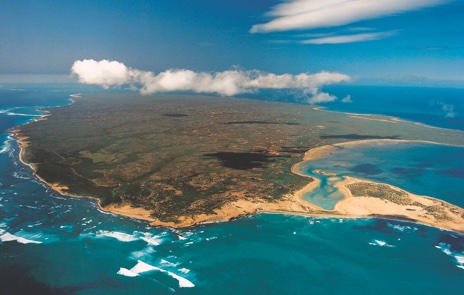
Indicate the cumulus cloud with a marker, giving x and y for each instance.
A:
(227, 83)
(341, 39)
(313, 14)
(104, 72)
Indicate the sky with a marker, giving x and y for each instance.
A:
(397, 40)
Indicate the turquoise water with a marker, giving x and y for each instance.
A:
(56, 245)
(421, 168)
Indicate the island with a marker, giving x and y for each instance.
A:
(181, 160)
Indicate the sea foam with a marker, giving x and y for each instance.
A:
(458, 257)
(6, 145)
(120, 236)
(168, 263)
(184, 270)
(402, 228)
(152, 239)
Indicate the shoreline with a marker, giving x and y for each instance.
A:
(293, 203)
(392, 119)
(61, 189)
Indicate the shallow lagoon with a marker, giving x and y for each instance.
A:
(420, 168)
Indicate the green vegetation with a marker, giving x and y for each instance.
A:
(187, 155)
(381, 191)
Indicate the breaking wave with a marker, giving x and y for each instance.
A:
(458, 257)
(123, 237)
(8, 237)
(149, 238)
(141, 267)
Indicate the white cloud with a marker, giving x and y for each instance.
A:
(347, 99)
(341, 39)
(113, 73)
(321, 97)
(104, 72)
(312, 14)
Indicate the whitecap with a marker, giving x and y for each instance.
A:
(163, 261)
(152, 239)
(36, 224)
(6, 145)
(380, 243)
(7, 237)
(22, 114)
(5, 149)
(147, 252)
(458, 257)
(142, 267)
(125, 272)
(183, 282)
(184, 270)
(120, 236)
(145, 267)
(402, 228)
(19, 175)
(445, 248)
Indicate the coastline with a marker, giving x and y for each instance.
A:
(126, 210)
(349, 207)
(294, 204)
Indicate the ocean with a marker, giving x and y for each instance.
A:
(56, 245)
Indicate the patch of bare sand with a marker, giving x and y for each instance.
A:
(366, 117)
(420, 209)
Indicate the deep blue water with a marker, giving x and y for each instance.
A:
(56, 245)
(440, 107)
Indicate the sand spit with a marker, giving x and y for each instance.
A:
(403, 205)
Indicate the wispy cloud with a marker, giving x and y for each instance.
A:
(227, 83)
(347, 99)
(340, 39)
(447, 109)
(313, 14)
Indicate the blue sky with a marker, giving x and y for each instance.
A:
(390, 41)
